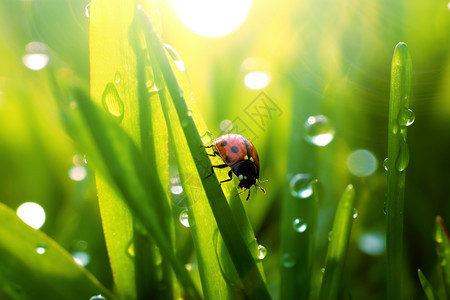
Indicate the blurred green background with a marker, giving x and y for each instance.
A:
(322, 57)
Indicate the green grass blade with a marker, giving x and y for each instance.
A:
(298, 230)
(397, 161)
(253, 283)
(133, 179)
(443, 251)
(114, 69)
(337, 249)
(27, 274)
(427, 288)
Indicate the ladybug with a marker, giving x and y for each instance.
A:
(238, 153)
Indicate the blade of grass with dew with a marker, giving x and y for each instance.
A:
(427, 288)
(337, 249)
(253, 283)
(39, 268)
(442, 239)
(113, 82)
(298, 228)
(200, 218)
(132, 177)
(397, 162)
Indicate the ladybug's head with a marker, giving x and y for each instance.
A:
(247, 173)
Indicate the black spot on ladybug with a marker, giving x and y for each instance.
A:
(228, 160)
(234, 149)
(223, 144)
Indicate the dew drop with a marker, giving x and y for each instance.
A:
(207, 138)
(330, 235)
(318, 130)
(98, 297)
(184, 218)
(355, 213)
(77, 173)
(262, 251)
(403, 157)
(36, 57)
(82, 258)
(362, 163)
(406, 117)
(112, 102)
(41, 248)
(87, 9)
(176, 58)
(117, 78)
(130, 249)
(300, 186)
(299, 225)
(32, 214)
(385, 164)
(287, 260)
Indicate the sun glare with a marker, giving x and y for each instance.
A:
(212, 18)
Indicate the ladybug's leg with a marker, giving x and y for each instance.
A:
(217, 166)
(230, 175)
(214, 153)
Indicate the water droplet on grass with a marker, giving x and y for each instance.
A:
(362, 163)
(41, 248)
(176, 58)
(299, 225)
(36, 57)
(403, 157)
(262, 251)
(288, 260)
(318, 130)
(355, 213)
(82, 258)
(130, 249)
(77, 173)
(385, 164)
(300, 186)
(32, 214)
(207, 138)
(184, 218)
(406, 117)
(87, 9)
(117, 78)
(112, 102)
(330, 235)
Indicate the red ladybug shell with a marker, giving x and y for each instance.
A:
(234, 148)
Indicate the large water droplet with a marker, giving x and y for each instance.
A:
(36, 57)
(184, 218)
(77, 173)
(41, 248)
(207, 138)
(406, 117)
(288, 260)
(87, 10)
(403, 157)
(362, 163)
(176, 57)
(299, 225)
(32, 214)
(318, 130)
(82, 258)
(112, 102)
(300, 186)
(262, 251)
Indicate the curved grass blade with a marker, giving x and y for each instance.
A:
(427, 288)
(337, 248)
(33, 266)
(397, 162)
(253, 284)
